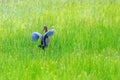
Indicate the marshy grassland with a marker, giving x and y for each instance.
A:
(85, 46)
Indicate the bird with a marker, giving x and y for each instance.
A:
(43, 38)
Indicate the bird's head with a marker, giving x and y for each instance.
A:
(45, 29)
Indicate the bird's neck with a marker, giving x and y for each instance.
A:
(46, 30)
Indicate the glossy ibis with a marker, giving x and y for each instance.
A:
(43, 38)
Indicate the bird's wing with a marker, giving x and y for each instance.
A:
(49, 33)
(36, 36)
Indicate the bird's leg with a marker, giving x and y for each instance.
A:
(43, 47)
(40, 45)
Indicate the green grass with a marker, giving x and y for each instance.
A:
(85, 46)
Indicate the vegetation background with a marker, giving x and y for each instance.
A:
(85, 46)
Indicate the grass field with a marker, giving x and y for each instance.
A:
(85, 46)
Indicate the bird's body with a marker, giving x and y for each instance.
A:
(44, 42)
(44, 38)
